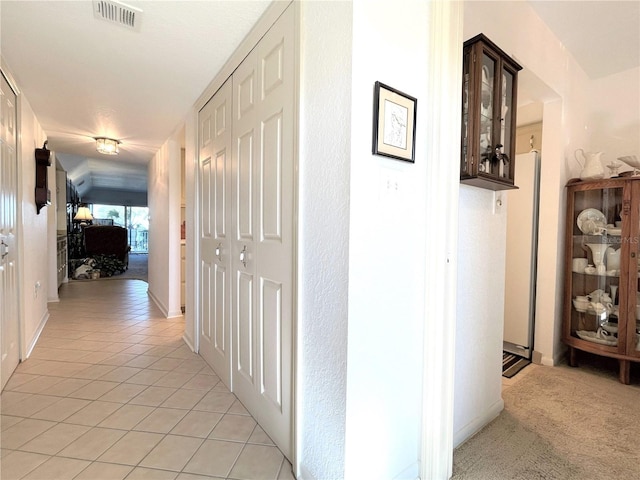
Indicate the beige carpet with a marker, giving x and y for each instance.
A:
(560, 423)
(138, 267)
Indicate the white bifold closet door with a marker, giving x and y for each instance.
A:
(256, 248)
(215, 224)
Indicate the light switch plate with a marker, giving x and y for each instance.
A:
(498, 202)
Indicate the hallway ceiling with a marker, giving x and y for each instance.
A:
(86, 77)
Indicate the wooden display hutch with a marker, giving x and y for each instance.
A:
(489, 99)
(602, 230)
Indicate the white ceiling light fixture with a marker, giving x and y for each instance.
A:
(107, 146)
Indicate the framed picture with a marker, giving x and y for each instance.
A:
(394, 123)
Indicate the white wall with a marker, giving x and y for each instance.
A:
(478, 363)
(387, 255)
(480, 316)
(190, 166)
(614, 115)
(594, 115)
(377, 435)
(164, 227)
(35, 245)
(323, 254)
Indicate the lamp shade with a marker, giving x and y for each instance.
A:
(83, 214)
(108, 146)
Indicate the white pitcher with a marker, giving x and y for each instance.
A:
(613, 259)
(592, 168)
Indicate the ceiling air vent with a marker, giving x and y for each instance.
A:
(118, 13)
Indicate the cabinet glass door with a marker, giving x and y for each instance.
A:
(597, 288)
(465, 167)
(486, 131)
(633, 326)
(506, 114)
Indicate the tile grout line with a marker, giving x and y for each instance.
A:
(104, 336)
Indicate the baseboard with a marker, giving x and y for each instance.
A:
(158, 303)
(32, 344)
(540, 359)
(165, 311)
(188, 341)
(476, 425)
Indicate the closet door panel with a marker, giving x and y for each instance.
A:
(244, 259)
(262, 219)
(245, 325)
(271, 179)
(274, 249)
(214, 243)
(270, 342)
(244, 186)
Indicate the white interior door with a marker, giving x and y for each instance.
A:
(262, 250)
(9, 318)
(214, 194)
(521, 257)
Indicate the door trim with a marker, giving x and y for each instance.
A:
(22, 347)
(445, 56)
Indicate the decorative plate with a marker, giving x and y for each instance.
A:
(590, 219)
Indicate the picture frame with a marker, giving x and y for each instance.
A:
(394, 123)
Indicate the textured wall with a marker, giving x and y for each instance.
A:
(480, 316)
(566, 126)
(387, 249)
(325, 97)
(35, 253)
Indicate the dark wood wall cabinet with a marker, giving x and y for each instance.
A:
(42, 193)
(602, 273)
(489, 100)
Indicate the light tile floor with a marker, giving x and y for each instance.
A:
(111, 391)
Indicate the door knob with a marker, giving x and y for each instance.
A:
(219, 252)
(243, 255)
